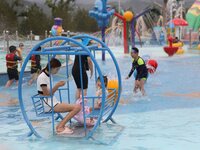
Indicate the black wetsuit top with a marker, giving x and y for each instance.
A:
(141, 68)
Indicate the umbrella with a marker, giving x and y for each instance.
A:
(179, 22)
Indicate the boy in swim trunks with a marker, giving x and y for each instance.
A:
(142, 72)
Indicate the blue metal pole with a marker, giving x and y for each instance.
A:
(104, 11)
(103, 40)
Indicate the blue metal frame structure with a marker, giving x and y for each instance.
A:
(77, 49)
(102, 15)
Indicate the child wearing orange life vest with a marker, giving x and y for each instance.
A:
(12, 64)
(35, 67)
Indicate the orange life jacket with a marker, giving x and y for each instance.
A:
(33, 61)
(10, 62)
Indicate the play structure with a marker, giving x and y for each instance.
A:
(192, 17)
(125, 26)
(138, 28)
(129, 29)
(57, 29)
(102, 12)
(180, 47)
(109, 101)
(170, 50)
(129, 21)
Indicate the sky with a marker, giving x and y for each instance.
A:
(134, 3)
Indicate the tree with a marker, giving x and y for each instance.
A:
(83, 22)
(35, 20)
(8, 17)
(62, 9)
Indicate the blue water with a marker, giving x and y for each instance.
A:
(157, 121)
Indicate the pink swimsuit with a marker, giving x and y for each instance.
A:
(79, 116)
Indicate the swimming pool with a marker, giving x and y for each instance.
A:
(162, 120)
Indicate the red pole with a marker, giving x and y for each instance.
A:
(125, 33)
(125, 38)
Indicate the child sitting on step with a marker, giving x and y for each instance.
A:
(99, 91)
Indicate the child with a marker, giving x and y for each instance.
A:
(142, 72)
(176, 40)
(99, 91)
(12, 64)
(20, 51)
(86, 65)
(35, 66)
(43, 88)
(79, 116)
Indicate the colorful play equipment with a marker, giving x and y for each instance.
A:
(102, 14)
(128, 15)
(125, 37)
(170, 50)
(179, 44)
(193, 16)
(180, 47)
(57, 29)
(146, 26)
(121, 26)
(109, 101)
(133, 22)
(180, 51)
(112, 85)
(129, 18)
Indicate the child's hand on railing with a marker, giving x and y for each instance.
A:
(61, 83)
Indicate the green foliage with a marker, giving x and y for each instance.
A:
(15, 16)
(35, 20)
(62, 9)
(8, 18)
(73, 19)
(82, 22)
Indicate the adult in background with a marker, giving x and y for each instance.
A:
(86, 65)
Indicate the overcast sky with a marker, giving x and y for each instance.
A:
(135, 4)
